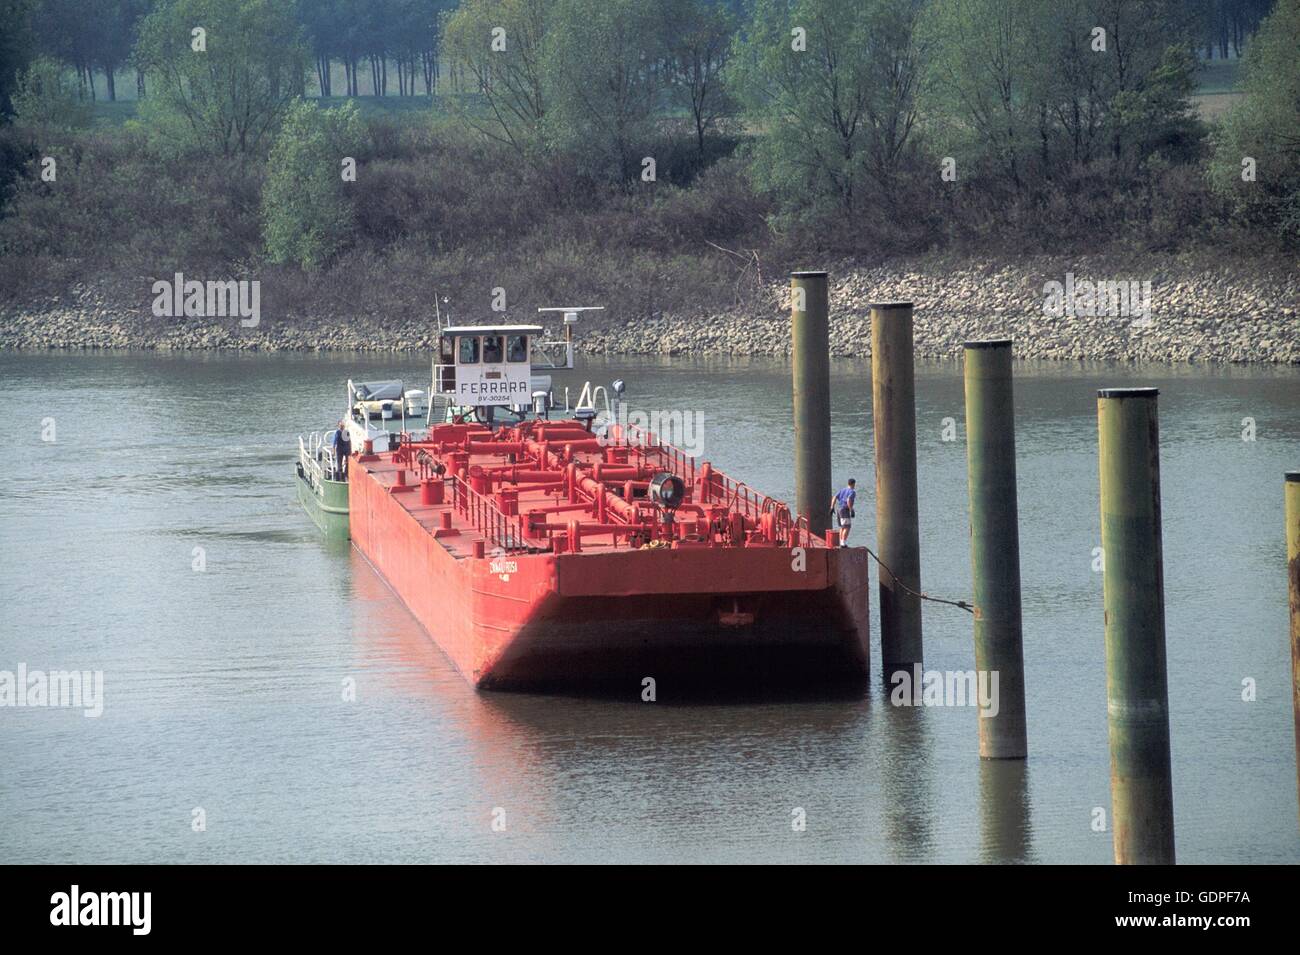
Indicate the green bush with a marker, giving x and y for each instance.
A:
(307, 217)
(45, 100)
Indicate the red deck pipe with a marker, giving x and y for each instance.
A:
(556, 509)
(480, 549)
(495, 447)
(589, 529)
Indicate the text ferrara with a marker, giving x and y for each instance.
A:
(102, 908)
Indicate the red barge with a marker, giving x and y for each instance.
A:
(557, 553)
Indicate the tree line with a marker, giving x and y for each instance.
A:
(97, 36)
(925, 114)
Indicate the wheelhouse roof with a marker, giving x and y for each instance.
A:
(493, 329)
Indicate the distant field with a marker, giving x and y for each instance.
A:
(405, 107)
(1218, 76)
(1217, 88)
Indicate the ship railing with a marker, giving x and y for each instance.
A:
(647, 442)
(498, 529)
(318, 459)
(723, 489)
(738, 496)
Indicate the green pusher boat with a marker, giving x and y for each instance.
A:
(377, 412)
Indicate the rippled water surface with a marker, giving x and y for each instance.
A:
(223, 687)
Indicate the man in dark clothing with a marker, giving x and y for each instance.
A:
(342, 444)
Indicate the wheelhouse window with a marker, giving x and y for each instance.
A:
(517, 348)
(492, 349)
(468, 350)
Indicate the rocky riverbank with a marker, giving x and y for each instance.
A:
(1156, 309)
(1195, 314)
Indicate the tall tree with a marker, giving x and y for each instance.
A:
(223, 73)
(1148, 69)
(499, 43)
(321, 20)
(66, 31)
(605, 62)
(981, 78)
(832, 83)
(17, 47)
(114, 25)
(699, 46)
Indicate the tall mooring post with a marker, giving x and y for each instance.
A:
(995, 544)
(1137, 691)
(810, 330)
(1293, 576)
(893, 410)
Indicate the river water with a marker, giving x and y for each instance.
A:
(223, 694)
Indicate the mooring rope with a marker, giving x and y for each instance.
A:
(969, 608)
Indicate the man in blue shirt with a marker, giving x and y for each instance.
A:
(842, 509)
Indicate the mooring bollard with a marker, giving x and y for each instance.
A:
(810, 333)
(893, 412)
(1293, 576)
(995, 543)
(1137, 689)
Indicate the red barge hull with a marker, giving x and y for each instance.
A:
(533, 570)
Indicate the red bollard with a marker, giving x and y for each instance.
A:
(480, 548)
(444, 528)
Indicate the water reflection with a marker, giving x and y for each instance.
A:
(1006, 829)
(905, 766)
